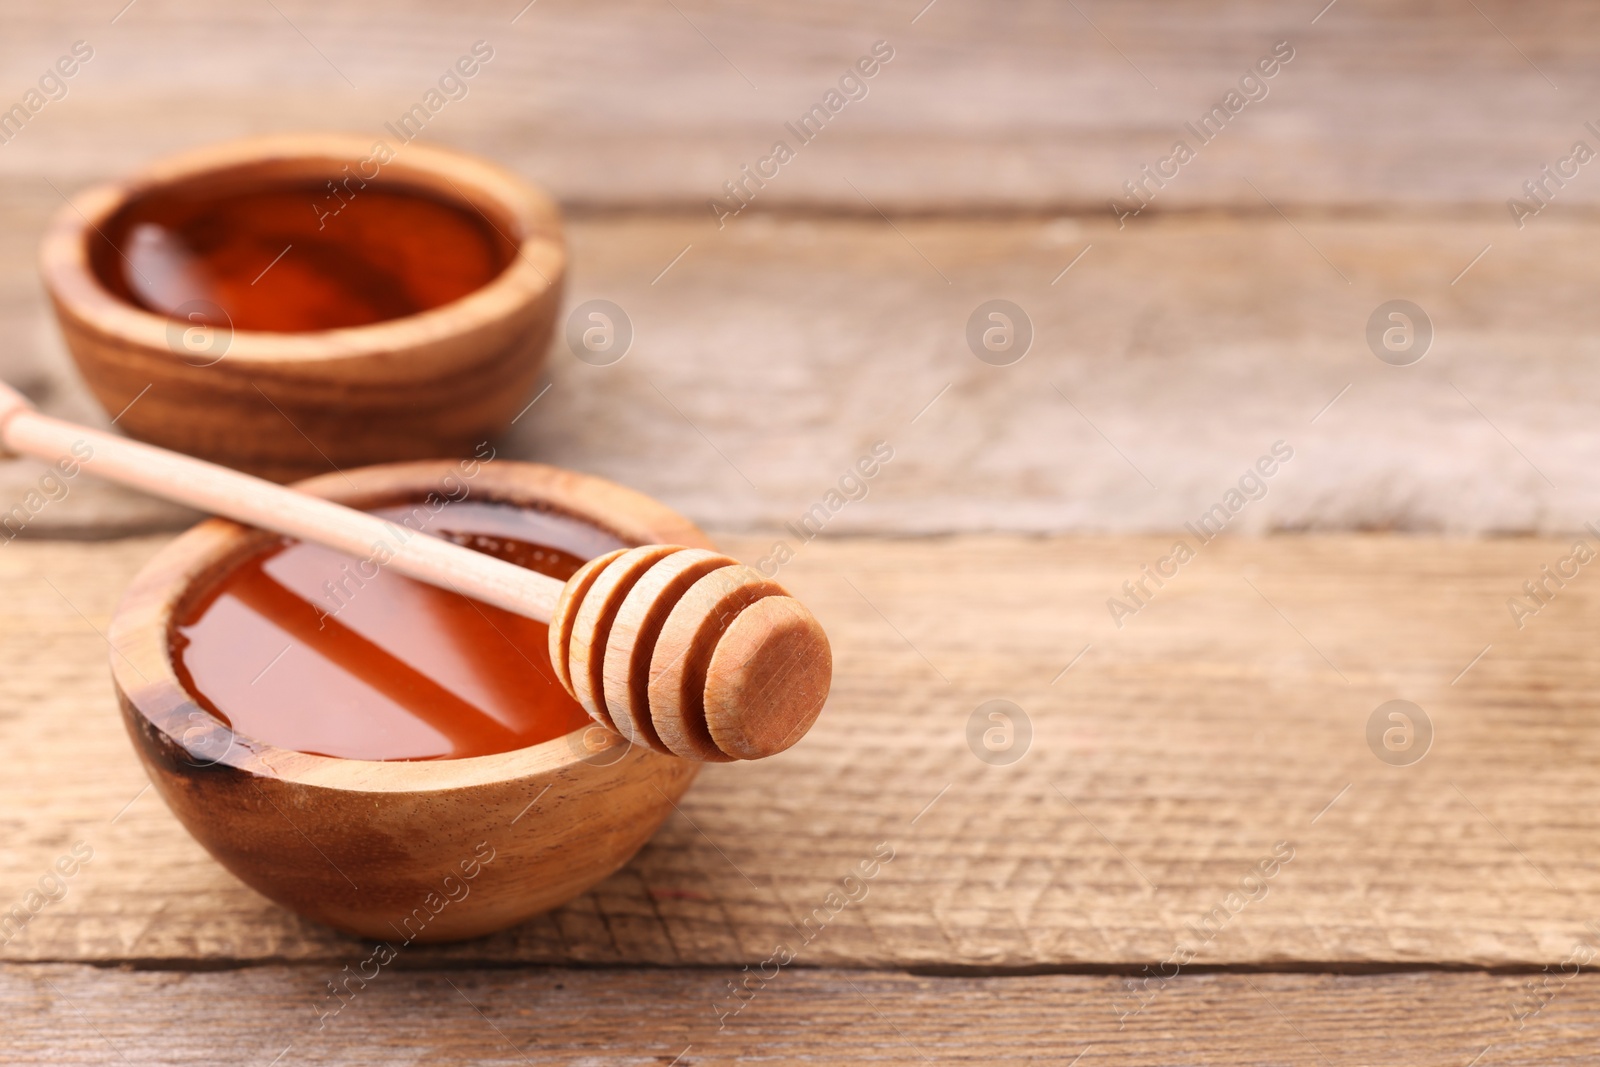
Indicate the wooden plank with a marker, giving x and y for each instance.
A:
(768, 359)
(1033, 106)
(77, 1014)
(1166, 762)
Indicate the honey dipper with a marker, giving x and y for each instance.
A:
(679, 649)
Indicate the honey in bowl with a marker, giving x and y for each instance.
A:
(304, 648)
(296, 256)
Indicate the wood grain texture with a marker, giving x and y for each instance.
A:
(770, 358)
(780, 345)
(1166, 762)
(1033, 105)
(82, 1015)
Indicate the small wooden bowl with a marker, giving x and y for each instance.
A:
(289, 405)
(394, 850)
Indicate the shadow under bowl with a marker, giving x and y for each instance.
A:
(433, 850)
(288, 405)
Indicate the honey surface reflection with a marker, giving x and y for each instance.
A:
(298, 648)
(292, 257)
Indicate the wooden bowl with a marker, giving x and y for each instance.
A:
(394, 850)
(291, 405)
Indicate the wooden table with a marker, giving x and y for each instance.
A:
(1103, 898)
(1222, 726)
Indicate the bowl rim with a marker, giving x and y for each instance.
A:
(537, 269)
(148, 686)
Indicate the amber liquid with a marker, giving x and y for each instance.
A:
(297, 649)
(297, 256)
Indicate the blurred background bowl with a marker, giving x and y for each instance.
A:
(289, 405)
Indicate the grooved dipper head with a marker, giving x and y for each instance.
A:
(689, 652)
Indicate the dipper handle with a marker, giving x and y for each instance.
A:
(680, 650)
(257, 502)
